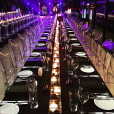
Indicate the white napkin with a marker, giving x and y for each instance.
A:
(9, 108)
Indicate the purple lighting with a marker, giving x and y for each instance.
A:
(60, 4)
(109, 45)
(100, 2)
(28, 3)
(34, 59)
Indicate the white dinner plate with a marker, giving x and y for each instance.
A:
(105, 104)
(13, 108)
(43, 38)
(36, 54)
(80, 53)
(73, 39)
(75, 44)
(68, 28)
(25, 73)
(71, 34)
(45, 33)
(41, 44)
(70, 31)
(87, 69)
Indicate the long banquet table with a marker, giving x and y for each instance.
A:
(92, 82)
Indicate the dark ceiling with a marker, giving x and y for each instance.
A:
(21, 3)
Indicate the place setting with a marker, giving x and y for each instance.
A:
(41, 44)
(45, 33)
(25, 73)
(81, 54)
(73, 40)
(73, 35)
(12, 107)
(76, 49)
(35, 55)
(86, 69)
(70, 31)
(104, 102)
(43, 38)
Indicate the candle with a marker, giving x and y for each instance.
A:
(56, 60)
(55, 55)
(56, 52)
(53, 79)
(57, 90)
(55, 65)
(53, 106)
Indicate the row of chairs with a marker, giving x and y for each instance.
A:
(14, 54)
(9, 15)
(85, 31)
(101, 58)
(12, 26)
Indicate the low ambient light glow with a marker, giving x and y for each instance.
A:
(53, 107)
(53, 79)
(57, 90)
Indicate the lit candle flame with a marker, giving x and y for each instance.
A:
(53, 107)
(53, 79)
(55, 65)
(57, 90)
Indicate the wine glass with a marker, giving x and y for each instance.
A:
(33, 93)
(73, 102)
(49, 47)
(47, 61)
(69, 67)
(68, 49)
(75, 67)
(83, 95)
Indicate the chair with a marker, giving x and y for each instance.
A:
(94, 50)
(110, 72)
(34, 35)
(7, 63)
(7, 48)
(3, 82)
(17, 40)
(30, 36)
(98, 38)
(95, 60)
(17, 52)
(88, 46)
(100, 60)
(26, 43)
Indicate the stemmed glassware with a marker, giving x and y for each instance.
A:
(83, 94)
(73, 102)
(68, 49)
(49, 47)
(33, 92)
(75, 67)
(72, 66)
(47, 64)
(69, 67)
(45, 61)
